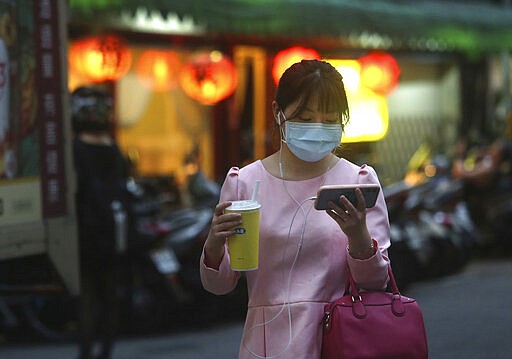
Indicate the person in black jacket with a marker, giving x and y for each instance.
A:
(101, 201)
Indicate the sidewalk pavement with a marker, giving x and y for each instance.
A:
(467, 315)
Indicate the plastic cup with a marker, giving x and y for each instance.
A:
(243, 247)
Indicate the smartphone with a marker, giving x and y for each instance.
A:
(333, 193)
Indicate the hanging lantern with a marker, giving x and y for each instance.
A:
(99, 59)
(379, 72)
(158, 70)
(286, 58)
(209, 77)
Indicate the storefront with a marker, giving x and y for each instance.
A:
(206, 100)
(159, 126)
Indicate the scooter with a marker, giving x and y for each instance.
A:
(486, 174)
(162, 265)
(432, 233)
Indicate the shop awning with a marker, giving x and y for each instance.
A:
(469, 26)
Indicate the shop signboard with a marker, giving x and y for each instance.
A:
(36, 210)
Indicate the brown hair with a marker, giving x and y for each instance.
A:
(309, 79)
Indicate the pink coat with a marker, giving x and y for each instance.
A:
(284, 320)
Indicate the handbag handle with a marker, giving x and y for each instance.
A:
(354, 292)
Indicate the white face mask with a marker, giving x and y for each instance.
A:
(312, 141)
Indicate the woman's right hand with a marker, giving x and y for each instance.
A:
(220, 230)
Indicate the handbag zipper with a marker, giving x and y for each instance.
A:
(327, 316)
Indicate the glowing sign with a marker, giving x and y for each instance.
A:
(368, 110)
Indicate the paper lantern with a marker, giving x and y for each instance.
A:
(98, 59)
(286, 58)
(379, 72)
(209, 77)
(158, 70)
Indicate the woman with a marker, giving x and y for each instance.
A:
(304, 252)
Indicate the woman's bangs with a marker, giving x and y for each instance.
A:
(329, 97)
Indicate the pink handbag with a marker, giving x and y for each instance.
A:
(373, 325)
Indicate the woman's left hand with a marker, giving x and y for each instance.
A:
(352, 222)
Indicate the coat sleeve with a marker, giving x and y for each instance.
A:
(372, 273)
(222, 280)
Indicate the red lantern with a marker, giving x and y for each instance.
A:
(209, 77)
(99, 59)
(379, 72)
(286, 58)
(158, 70)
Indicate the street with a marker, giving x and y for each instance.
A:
(467, 315)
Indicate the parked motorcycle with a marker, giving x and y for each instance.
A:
(154, 269)
(162, 287)
(432, 233)
(486, 174)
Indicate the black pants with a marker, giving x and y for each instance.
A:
(98, 310)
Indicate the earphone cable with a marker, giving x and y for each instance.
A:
(286, 303)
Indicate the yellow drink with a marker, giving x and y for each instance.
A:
(243, 247)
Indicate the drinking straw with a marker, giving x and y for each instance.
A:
(255, 190)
